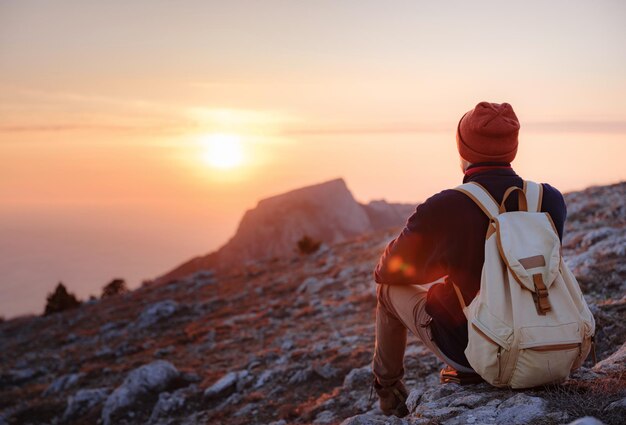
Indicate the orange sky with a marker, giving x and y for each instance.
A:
(106, 107)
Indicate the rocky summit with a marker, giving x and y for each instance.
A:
(289, 339)
(326, 212)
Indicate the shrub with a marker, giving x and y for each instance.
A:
(307, 246)
(115, 287)
(60, 300)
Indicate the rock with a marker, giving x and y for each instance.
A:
(287, 345)
(617, 408)
(264, 378)
(300, 376)
(413, 399)
(478, 416)
(20, 376)
(169, 403)
(324, 418)
(225, 385)
(63, 383)
(203, 277)
(156, 312)
(326, 371)
(359, 378)
(149, 379)
(587, 420)
(248, 410)
(164, 351)
(521, 409)
(369, 419)
(470, 400)
(313, 285)
(616, 362)
(83, 401)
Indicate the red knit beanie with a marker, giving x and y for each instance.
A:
(488, 133)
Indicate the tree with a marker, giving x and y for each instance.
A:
(307, 246)
(60, 300)
(115, 287)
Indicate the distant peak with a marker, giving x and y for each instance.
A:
(334, 184)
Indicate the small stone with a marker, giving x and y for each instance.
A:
(327, 371)
(324, 418)
(225, 385)
(63, 383)
(156, 312)
(358, 378)
(587, 420)
(300, 376)
(264, 378)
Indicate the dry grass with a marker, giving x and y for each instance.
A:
(590, 398)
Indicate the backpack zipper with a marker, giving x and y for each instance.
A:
(556, 347)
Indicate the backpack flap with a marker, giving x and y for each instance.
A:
(530, 247)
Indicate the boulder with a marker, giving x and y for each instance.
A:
(150, 379)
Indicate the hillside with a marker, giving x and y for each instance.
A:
(326, 212)
(289, 340)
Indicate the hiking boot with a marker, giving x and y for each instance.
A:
(392, 399)
(450, 374)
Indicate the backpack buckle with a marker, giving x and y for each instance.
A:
(540, 296)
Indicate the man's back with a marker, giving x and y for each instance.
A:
(446, 236)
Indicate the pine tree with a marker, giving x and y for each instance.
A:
(115, 287)
(60, 300)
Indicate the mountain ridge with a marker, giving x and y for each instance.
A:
(326, 212)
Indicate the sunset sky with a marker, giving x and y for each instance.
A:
(134, 135)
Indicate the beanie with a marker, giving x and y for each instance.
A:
(488, 133)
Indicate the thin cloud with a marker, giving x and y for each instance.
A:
(606, 127)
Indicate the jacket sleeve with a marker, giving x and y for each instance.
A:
(416, 255)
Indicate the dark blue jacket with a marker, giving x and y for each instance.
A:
(446, 237)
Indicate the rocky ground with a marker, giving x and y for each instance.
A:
(290, 341)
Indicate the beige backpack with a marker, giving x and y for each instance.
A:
(529, 324)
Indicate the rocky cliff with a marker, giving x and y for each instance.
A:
(326, 212)
(289, 340)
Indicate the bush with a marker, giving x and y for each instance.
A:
(115, 287)
(60, 300)
(307, 246)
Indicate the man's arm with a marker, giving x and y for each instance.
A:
(415, 257)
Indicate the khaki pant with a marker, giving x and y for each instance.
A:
(401, 307)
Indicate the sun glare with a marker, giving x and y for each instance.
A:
(222, 150)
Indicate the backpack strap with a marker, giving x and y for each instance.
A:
(534, 195)
(481, 197)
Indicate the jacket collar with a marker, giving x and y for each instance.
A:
(488, 168)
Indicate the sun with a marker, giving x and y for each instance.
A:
(223, 151)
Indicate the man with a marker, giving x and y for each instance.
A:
(445, 237)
